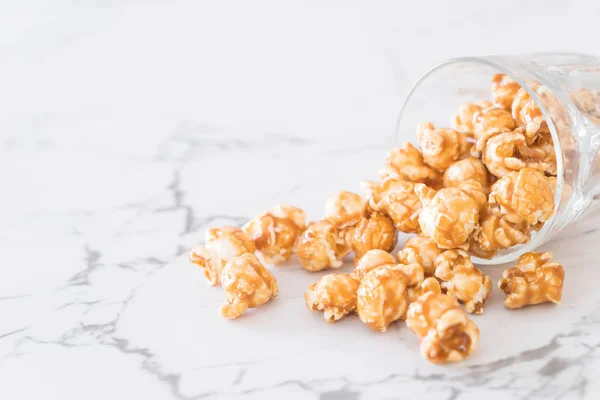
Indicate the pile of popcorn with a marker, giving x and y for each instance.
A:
(476, 189)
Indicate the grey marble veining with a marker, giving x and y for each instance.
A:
(127, 129)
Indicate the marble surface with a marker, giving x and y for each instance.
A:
(128, 128)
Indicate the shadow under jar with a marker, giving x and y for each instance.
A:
(565, 86)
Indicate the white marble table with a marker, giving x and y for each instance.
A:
(128, 129)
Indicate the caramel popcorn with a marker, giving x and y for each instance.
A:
(398, 200)
(504, 90)
(382, 297)
(445, 331)
(342, 242)
(475, 250)
(491, 121)
(462, 280)
(529, 115)
(316, 247)
(345, 209)
(376, 231)
(334, 294)
(462, 121)
(275, 232)
(440, 147)
(371, 260)
(414, 275)
(469, 169)
(430, 284)
(507, 152)
(542, 150)
(496, 233)
(535, 279)
(526, 195)
(450, 215)
(421, 250)
(247, 284)
(372, 192)
(406, 163)
(221, 244)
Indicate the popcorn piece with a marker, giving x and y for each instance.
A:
(334, 294)
(496, 233)
(462, 121)
(440, 147)
(466, 170)
(221, 245)
(504, 90)
(275, 232)
(445, 331)
(398, 200)
(371, 260)
(526, 112)
(414, 274)
(430, 284)
(372, 191)
(507, 152)
(342, 242)
(406, 163)
(316, 247)
(376, 231)
(535, 279)
(247, 284)
(382, 297)
(450, 215)
(491, 121)
(526, 195)
(542, 150)
(421, 250)
(345, 209)
(463, 280)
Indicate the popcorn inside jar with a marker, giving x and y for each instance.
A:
(496, 140)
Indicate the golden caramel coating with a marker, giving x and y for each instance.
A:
(462, 121)
(345, 209)
(247, 284)
(371, 260)
(446, 332)
(526, 195)
(421, 250)
(334, 294)
(275, 232)
(414, 274)
(440, 147)
(382, 297)
(221, 245)
(504, 90)
(372, 191)
(406, 163)
(496, 233)
(492, 121)
(376, 231)
(399, 201)
(431, 284)
(526, 112)
(462, 280)
(450, 215)
(535, 279)
(316, 247)
(342, 242)
(542, 150)
(507, 152)
(469, 169)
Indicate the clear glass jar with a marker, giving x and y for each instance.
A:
(566, 87)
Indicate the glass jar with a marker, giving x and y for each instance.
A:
(566, 87)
